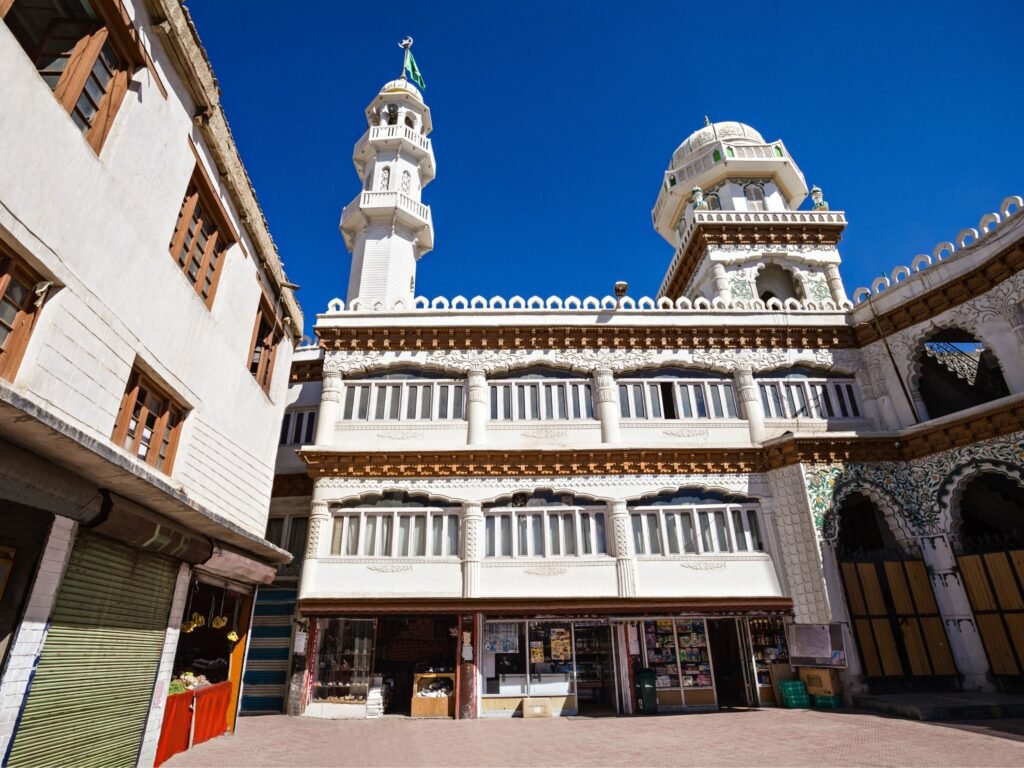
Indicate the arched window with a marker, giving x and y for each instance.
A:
(713, 203)
(957, 372)
(409, 121)
(775, 282)
(755, 197)
(392, 111)
(991, 512)
(406, 182)
(862, 527)
(385, 179)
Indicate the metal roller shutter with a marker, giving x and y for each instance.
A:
(91, 690)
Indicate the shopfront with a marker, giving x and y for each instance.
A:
(494, 664)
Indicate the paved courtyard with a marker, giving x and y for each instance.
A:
(742, 738)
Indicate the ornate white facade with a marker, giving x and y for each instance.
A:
(702, 432)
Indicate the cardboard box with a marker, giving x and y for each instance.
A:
(536, 707)
(820, 681)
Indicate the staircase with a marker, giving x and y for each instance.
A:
(967, 366)
(266, 666)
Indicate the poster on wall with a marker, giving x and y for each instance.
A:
(536, 651)
(561, 644)
(501, 637)
(816, 645)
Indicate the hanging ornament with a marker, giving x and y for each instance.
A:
(220, 621)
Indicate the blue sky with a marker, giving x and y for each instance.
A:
(554, 121)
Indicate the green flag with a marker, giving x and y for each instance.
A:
(413, 70)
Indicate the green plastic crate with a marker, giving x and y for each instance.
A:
(827, 702)
(796, 702)
(792, 687)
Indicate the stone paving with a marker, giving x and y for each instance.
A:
(768, 737)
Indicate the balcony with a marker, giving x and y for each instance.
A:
(395, 137)
(370, 205)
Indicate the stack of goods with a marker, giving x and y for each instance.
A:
(794, 694)
(436, 689)
(827, 702)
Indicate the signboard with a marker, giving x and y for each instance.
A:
(816, 645)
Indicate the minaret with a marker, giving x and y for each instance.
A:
(386, 227)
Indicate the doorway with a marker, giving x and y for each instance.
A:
(595, 670)
(413, 654)
(727, 663)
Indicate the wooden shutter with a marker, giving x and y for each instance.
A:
(90, 692)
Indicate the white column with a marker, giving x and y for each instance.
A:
(155, 719)
(750, 403)
(318, 542)
(330, 407)
(838, 612)
(472, 547)
(835, 284)
(956, 612)
(621, 546)
(476, 407)
(722, 289)
(28, 639)
(607, 395)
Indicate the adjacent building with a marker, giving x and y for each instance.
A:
(146, 333)
(517, 505)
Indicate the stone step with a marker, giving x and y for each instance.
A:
(944, 706)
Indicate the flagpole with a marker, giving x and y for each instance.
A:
(405, 45)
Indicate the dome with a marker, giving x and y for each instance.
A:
(731, 131)
(401, 85)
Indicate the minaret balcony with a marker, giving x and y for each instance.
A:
(395, 137)
(718, 161)
(375, 206)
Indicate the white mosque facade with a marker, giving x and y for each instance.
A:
(528, 505)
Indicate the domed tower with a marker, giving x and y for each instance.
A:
(386, 227)
(729, 206)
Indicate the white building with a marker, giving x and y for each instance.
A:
(146, 332)
(536, 498)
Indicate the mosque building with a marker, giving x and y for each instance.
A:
(518, 506)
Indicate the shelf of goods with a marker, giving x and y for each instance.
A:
(768, 640)
(433, 694)
(344, 678)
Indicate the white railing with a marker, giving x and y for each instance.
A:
(383, 132)
(395, 200)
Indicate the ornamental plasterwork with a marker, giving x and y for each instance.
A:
(731, 359)
(1000, 303)
(621, 485)
(816, 287)
(740, 286)
(921, 490)
(607, 359)
(348, 363)
(488, 361)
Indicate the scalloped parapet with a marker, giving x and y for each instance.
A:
(586, 304)
(970, 237)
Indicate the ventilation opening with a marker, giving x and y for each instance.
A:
(775, 282)
(957, 372)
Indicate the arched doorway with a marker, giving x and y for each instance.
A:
(989, 527)
(957, 372)
(894, 616)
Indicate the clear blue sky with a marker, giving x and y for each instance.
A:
(554, 121)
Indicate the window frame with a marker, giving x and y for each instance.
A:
(264, 363)
(14, 269)
(825, 398)
(200, 192)
(375, 400)
(172, 406)
(117, 31)
(589, 523)
(541, 399)
(693, 399)
(341, 530)
(746, 539)
(298, 426)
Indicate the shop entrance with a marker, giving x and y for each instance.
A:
(415, 658)
(595, 669)
(727, 662)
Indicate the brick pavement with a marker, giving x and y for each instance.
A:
(772, 737)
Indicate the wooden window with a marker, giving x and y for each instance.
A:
(85, 51)
(265, 338)
(18, 311)
(201, 237)
(149, 422)
(755, 197)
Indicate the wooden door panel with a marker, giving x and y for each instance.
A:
(887, 650)
(920, 666)
(868, 650)
(938, 646)
(873, 596)
(854, 596)
(921, 586)
(976, 583)
(1004, 581)
(997, 644)
(898, 589)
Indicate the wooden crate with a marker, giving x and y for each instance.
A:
(430, 706)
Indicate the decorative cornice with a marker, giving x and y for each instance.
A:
(477, 341)
(767, 234)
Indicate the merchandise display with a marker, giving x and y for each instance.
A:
(768, 640)
(693, 653)
(433, 694)
(344, 660)
(659, 638)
